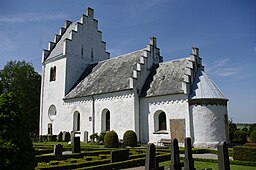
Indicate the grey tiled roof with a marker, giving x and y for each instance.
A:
(167, 79)
(204, 88)
(107, 76)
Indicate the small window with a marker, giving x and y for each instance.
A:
(108, 121)
(76, 121)
(52, 112)
(53, 73)
(162, 121)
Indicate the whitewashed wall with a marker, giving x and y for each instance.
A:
(174, 106)
(208, 124)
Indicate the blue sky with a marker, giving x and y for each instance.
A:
(224, 31)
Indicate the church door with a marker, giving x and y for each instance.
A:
(177, 128)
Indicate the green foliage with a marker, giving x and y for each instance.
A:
(20, 78)
(101, 137)
(252, 128)
(94, 136)
(130, 138)
(232, 129)
(240, 137)
(244, 153)
(253, 136)
(60, 137)
(111, 140)
(16, 149)
(67, 137)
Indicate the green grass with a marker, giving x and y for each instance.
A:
(214, 166)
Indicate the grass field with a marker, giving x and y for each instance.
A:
(214, 166)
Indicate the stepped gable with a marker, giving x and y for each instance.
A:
(166, 79)
(204, 88)
(108, 76)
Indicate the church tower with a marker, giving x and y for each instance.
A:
(76, 46)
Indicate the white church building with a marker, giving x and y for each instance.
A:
(83, 89)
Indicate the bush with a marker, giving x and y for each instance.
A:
(130, 138)
(111, 140)
(16, 148)
(59, 137)
(101, 137)
(52, 138)
(94, 136)
(244, 153)
(253, 136)
(67, 137)
(240, 137)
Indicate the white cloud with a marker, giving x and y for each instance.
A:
(224, 68)
(31, 17)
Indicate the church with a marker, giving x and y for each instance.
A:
(84, 90)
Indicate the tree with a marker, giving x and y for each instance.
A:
(252, 127)
(232, 130)
(20, 78)
(16, 149)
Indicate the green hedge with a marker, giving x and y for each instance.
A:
(250, 144)
(244, 153)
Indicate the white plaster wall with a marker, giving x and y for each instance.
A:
(52, 93)
(121, 107)
(174, 106)
(84, 42)
(209, 124)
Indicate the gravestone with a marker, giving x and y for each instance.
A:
(76, 145)
(223, 158)
(85, 136)
(150, 157)
(175, 155)
(58, 150)
(189, 161)
(119, 155)
(72, 136)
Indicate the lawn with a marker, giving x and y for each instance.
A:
(214, 166)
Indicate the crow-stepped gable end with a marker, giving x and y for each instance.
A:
(85, 91)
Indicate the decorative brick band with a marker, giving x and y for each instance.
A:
(208, 102)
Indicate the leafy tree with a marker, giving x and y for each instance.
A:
(20, 78)
(232, 129)
(253, 136)
(252, 127)
(16, 149)
(240, 137)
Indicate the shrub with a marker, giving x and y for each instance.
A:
(67, 137)
(130, 138)
(253, 136)
(101, 137)
(240, 137)
(16, 148)
(60, 137)
(94, 136)
(111, 140)
(52, 138)
(244, 153)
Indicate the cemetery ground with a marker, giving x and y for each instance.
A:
(95, 156)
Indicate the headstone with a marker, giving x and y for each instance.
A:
(175, 156)
(119, 155)
(73, 134)
(64, 135)
(76, 145)
(58, 150)
(223, 158)
(150, 157)
(85, 136)
(189, 161)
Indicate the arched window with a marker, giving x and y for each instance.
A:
(162, 121)
(52, 112)
(105, 122)
(53, 73)
(76, 121)
(108, 121)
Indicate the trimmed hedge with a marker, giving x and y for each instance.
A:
(111, 140)
(244, 153)
(250, 144)
(130, 138)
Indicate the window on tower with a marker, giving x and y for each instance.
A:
(53, 73)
